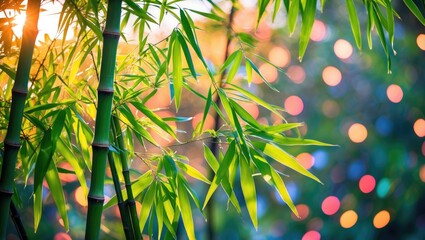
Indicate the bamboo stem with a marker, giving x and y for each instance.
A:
(131, 204)
(215, 149)
(14, 214)
(121, 204)
(19, 94)
(103, 118)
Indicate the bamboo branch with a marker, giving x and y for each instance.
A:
(19, 94)
(121, 204)
(215, 148)
(14, 214)
(131, 204)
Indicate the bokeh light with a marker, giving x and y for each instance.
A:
(419, 127)
(331, 75)
(343, 49)
(80, 197)
(394, 93)
(296, 74)
(303, 212)
(348, 219)
(279, 56)
(420, 40)
(311, 235)
(62, 236)
(318, 32)
(330, 205)
(367, 183)
(422, 173)
(294, 105)
(251, 108)
(381, 219)
(306, 160)
(383, 188)
(269, 72)
(330, 108)
(357, 133)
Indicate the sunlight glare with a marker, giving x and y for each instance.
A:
(331, 76)
(394, 93)
(294, 105)
(357, 133)
(279, 56)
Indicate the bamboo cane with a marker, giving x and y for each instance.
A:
(215, 149)
(103, 118)
(19, 95)
(125, 218)
(131, 204)
(14, 214)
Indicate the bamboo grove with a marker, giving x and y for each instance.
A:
(56, 118)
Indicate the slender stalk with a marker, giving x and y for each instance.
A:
(103, 118)
(19, 95)
(215, 148)
(14, 214)
(121, 204)
(131, 203)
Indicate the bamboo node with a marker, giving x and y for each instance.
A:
(131, 202)
(111, 34)
(20, 91)
(11, 144)
(106, 90)
(100, 145)
(6, 192)
(96, 199)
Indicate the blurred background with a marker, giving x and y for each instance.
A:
(373, 181)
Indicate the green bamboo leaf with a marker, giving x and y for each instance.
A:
(211, 159)
(206, 110)
(147, 205)
(261, 75)
(8, 70)
(282, 127)
(186, 210)
(47, 106)
(208, 15)
(308, 20)
(221, 171)
(283, 157)
(159, 210)
(43, 159)
(154, 117)
(177, 73)
(255, 99)
(354, 21)
(55, 187)
(381, 34)
(186, 53)
(390, 21)
(369, 23)
(138, 11)
(193, 172)
(287, 141)
(191, 192)
(248, 70)
(241, 112)
(294, 6)
(322, 5)
(226, 105)
(283, 191)
(235, 67)
(248, 190)
(230, 60)
(38, 206)
(138, 130)
(262, 5)
(273, 179)
(276, 8)
(415, 10)
(169, 166)
(138, 186)
(75, 163)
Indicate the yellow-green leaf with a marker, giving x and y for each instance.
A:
(308, 20)
(177, 73)
(248, 190)
(354, 21)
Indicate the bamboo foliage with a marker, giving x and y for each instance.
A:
(100, 143)
(19, 95)
(60, 115)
